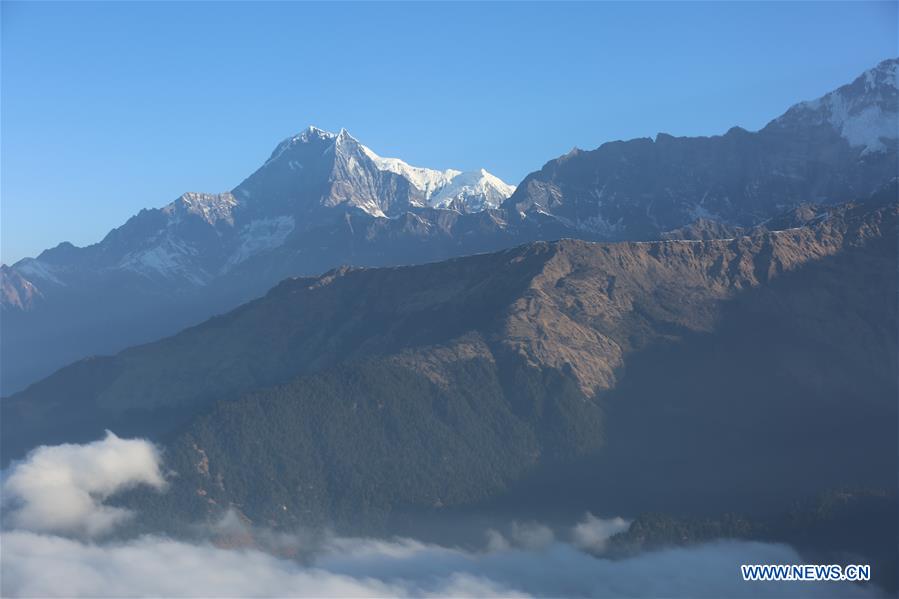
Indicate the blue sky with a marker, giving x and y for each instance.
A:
(108, 108)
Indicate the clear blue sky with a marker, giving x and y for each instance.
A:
(111, 107)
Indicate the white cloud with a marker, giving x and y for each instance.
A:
(593, 533)
(61, 489)
(496, 541)
(35, 565)
(531, 535)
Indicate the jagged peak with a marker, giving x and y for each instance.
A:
(476, 190)
(441, 186)
(310, 134)
(313, 132)
(200, 197)
(863, 112)
(886, 73)
(345, 143)
(211, 207)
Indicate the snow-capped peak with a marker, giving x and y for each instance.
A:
(308, 135)
(883, 75)
(312, 132)
(211, 207)
(358, 176)
(864, 112)
(476, 190)
(426, 180)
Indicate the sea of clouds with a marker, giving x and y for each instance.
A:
(56, 542)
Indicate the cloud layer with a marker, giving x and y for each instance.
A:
(35, 565)
(61, 489)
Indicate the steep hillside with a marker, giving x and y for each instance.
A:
(686, 362)
(711, 371)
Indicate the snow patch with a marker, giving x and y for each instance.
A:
(169, 258)
(259, 236)
(868, 128)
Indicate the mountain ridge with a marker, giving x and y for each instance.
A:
(538, 319)
(643, 188)
(364, 393)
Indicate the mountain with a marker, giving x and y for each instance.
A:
(200, 237)
(323, 199)
(338, 171)
(863, 112)
(830, 150)
(320, 199)
(528, 378)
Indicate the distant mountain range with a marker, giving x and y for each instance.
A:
(324, 199)
(835, 149)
